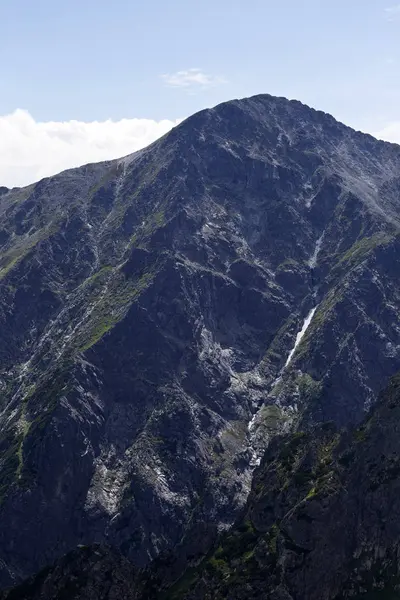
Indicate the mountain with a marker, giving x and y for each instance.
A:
(321, 522)
(151, 311)
(86, 573)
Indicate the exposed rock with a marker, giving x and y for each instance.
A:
(321, 521)
(87, 573)
(148, 307)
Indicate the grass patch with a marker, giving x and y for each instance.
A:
(310, 389)
(361, 249)
(154, 222)
(112, 308)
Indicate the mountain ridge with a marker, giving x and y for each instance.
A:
(149, 305)
(261, 96)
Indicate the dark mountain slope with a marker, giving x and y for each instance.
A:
(147, 306)
(87, 573)
(321, 522)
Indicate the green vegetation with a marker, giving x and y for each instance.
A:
(24, 426)
(290, 450)
(312, 493)
(360, 434)
(277, 349)
(10, 265)
(98, 331)
(271, 417)
(218, 566)
(142, 235)
(272, 540)
(303, 470)
(11, 453)
(105, 270)
(286, 264)
(19, 196)
(323, 313)
(345, 262)
(361, 249)
(235, 434)
(17, 253)
(231, 560)
(310, 389)
(112, 307)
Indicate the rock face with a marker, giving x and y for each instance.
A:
(321, 522)
(87, 573)
(148, 307)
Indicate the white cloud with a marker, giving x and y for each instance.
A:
(393, 12)
(390, 133)
(30, 150)
(191, 79)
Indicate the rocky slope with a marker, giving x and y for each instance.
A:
(87, 573)
(322, 519)
(148, 307)
(321, 523)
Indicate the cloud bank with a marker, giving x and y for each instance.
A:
(30, 150)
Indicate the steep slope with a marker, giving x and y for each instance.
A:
(87, 573)
(148, 308)
(321, 521)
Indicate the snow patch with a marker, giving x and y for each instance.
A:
(300, 335)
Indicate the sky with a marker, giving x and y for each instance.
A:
(88, 80)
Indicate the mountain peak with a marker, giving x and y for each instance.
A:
(166, 315)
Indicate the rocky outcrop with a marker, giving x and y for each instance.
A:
(321, 521)
(87, 573)
(148, 307)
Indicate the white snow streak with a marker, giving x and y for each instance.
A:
(300, 335)
(312, 262)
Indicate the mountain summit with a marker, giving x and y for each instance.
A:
(166, 315)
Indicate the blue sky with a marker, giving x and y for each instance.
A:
(153, 60)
